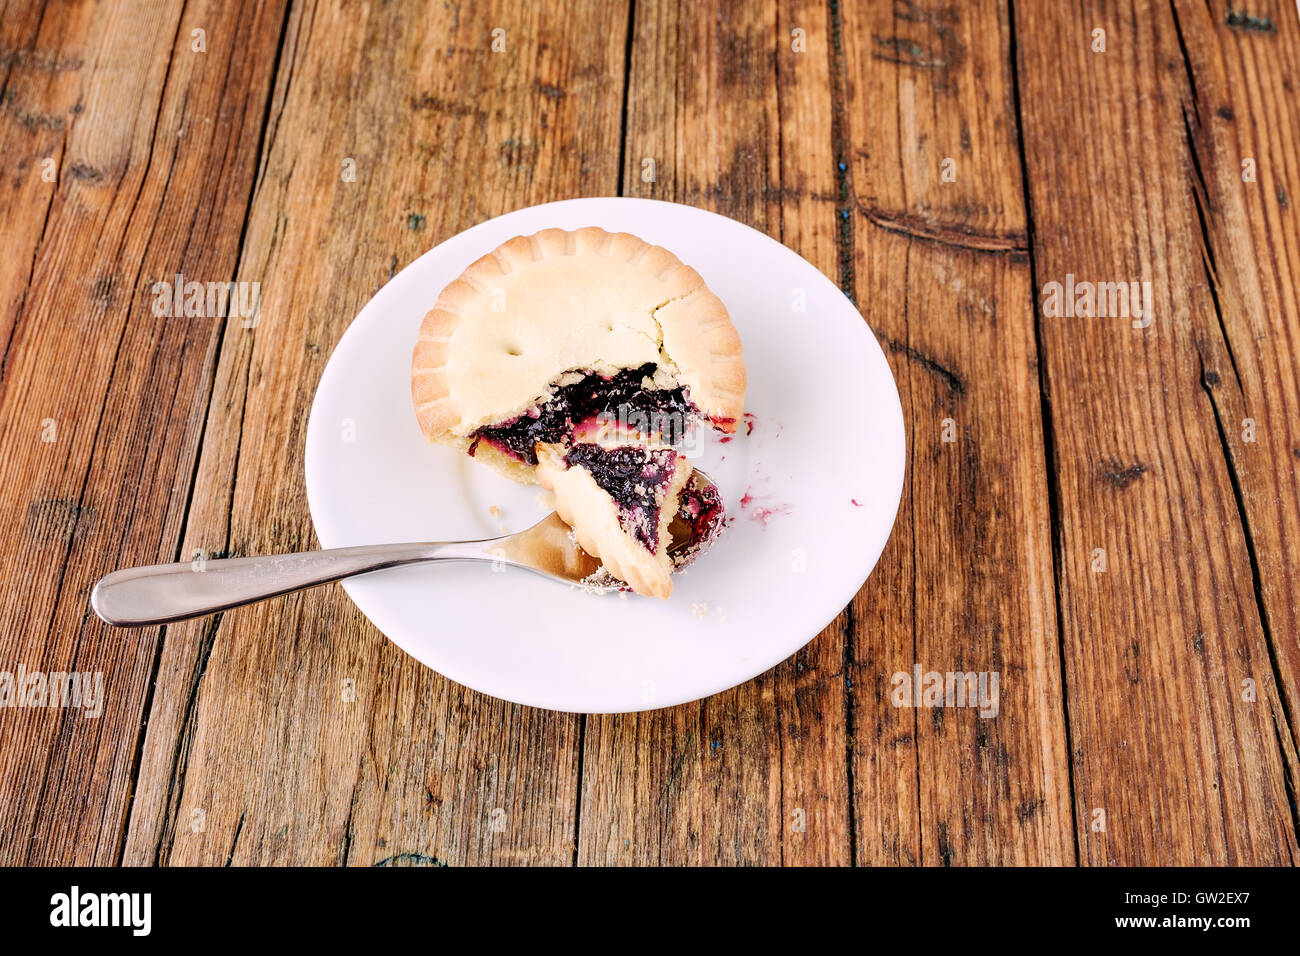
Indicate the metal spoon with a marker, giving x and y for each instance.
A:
(159, 593)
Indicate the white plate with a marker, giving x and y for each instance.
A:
(827, 432)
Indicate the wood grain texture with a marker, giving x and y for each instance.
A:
(1165, 742)
(1244, 145)
(757, 774)
(256, 753)
(941, 269)
(317, 146)
(102, 402)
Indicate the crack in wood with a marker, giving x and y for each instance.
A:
(1286, 754)
(955, 235)
(239, 828)
(837, 74)
(1201, 197)
(1050, 452)
(951, 379)
(410, 857)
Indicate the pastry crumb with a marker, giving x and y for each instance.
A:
(699, 608)
(494, 511)
(601, 581)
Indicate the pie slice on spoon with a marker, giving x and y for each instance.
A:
(620, 502)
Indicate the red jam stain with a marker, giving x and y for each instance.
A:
(760, 509)
(749, 422)
(856, 503)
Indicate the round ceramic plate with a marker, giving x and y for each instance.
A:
(812, 482)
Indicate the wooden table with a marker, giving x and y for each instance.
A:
(1104, 510)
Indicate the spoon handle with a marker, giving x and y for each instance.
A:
(159, 593)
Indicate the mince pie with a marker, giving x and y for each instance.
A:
(578, 360)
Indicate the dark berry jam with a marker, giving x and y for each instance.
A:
(698, 520)
(623, 398)
(634, 477)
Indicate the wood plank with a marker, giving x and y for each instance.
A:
(736, 121)
(42, 54)
(250, 733)
(1241, 123)
(941, 268)
(1156, 648)
(156, 158)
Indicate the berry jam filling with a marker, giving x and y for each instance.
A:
(698, 520)
(622, 398)
(635, 478)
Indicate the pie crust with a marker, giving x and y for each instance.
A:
(602, 528)
(545, 309)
